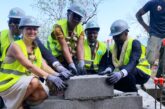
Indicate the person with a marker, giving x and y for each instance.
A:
(66, 40)
(156, 27)
(13, 34)
(127, 63)
(93, 49)
(22, 67)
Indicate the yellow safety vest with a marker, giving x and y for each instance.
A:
(10, 73)
(143, 64)
(88, 58)
(5, 42)
(53, 44)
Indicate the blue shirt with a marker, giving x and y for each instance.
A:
(157, 17)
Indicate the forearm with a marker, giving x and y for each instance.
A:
(67, 54)
(80, 49)
(140, 19)
(46, 54)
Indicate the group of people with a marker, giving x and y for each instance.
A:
(26, 64)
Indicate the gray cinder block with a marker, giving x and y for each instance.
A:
(120, 102)
(88, 87)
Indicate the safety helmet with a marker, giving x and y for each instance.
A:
(118, 27)
(92, 25)
(16, 13)
(77, 9)
(28, 21)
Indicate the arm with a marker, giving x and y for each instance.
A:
(15, 52)
(134, 57)
(58, 33)
(141, 12)
(106, 62)
(140, 19)
(80, 47)
(47, 68)
(46, 54)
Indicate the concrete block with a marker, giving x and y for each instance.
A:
(88, 87)
(55, 104)
(64, 104)
(121, 102)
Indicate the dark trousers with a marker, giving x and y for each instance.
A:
(128, 83)
(1, 103)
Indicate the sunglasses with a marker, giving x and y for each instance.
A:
(14, 21)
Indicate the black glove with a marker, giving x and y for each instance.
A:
(81, 68)
(72, 69)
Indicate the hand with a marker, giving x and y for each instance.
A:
(64, 73)
(114, 78)
(81, 68)
(72, 69)
(57, 82)
(108, 70)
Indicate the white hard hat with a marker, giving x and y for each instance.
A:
(16, 13)
(28, 21)
(118, 27)
(92, 25)
(77, 9)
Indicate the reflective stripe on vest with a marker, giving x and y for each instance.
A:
(143, 63)
(88, 58)
(53, 44)
(13, 71)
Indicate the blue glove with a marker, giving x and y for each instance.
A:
(114, 78)
(64, 73)
(108, 70)
(81, 67)
(60, 84)
(72, 69)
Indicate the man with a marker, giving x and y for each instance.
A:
(66, 40)
(127, 64)
(8, 36)
(156, 27)
(93, 49)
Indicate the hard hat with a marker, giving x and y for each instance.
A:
(16, 13)
(77, 9)
(92, 24)
(118, 27)
(28, 21)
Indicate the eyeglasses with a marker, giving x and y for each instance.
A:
(76, 17)
(14, 21)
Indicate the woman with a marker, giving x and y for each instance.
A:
(22, 67)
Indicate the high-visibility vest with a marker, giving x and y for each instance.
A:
(53, 44)
(143, 64)
(98, 56)
(5, 42)
(11, 72)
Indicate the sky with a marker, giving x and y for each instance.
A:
(108, 12)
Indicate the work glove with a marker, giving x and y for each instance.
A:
(60, 84)
(108, 70)
(72, 69)
(64, 74)
(81, 67)
(114, 77)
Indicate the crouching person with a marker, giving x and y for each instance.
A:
(128, 65)
(22, 67)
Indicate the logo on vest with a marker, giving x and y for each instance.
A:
(159, 8)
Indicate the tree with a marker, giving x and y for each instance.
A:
(53, 10)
